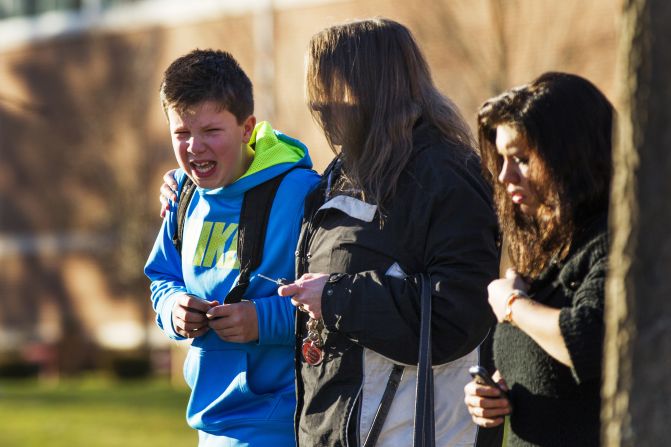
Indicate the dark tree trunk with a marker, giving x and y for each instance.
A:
(637, 378)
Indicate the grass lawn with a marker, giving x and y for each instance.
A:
(93, 412)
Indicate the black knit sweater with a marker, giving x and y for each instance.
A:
(554, 405)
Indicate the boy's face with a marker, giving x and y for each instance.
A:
(209, 143)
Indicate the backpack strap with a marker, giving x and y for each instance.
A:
(254, 215)
(252, 226)
(186, 190)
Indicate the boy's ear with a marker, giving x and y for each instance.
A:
(248, 128)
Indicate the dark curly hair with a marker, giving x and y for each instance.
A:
(568, 125)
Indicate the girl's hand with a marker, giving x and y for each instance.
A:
(500, 290)
(486, 404)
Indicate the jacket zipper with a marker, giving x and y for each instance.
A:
(310, 230)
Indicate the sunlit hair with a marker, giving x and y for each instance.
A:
(367, 84)
(567, 123)
(208, 75)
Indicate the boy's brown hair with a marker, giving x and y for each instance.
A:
(207, 75)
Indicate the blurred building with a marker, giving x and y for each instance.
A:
(83, 140)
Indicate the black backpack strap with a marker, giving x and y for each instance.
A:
(186, 190)
(254, 215)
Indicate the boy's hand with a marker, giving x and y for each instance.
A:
(168, 191)
(236, 323)
(188, 315)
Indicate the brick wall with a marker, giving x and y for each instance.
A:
(84, 143)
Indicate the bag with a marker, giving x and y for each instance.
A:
(254, 214)
(424, 430)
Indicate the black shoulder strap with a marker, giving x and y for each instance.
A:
(256, 206)
(186, 191)
(424, 426)
(425, 430)
(254, 215)
(385, 405)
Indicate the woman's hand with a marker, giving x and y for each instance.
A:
(306, 293)
(486, 404)
(168, 191)
(500, 290)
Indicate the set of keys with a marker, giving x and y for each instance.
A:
(313, 344)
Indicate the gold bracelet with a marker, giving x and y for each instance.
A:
(508, 316)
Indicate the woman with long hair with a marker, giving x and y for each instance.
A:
(547, 146)
(403, 196)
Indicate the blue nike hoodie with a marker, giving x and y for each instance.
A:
(240, 391)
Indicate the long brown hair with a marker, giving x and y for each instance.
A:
(567, 123)
(367, 84)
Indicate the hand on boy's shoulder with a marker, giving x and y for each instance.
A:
(237, 323)
(168, 191)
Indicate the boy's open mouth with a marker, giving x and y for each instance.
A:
(203, 168)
